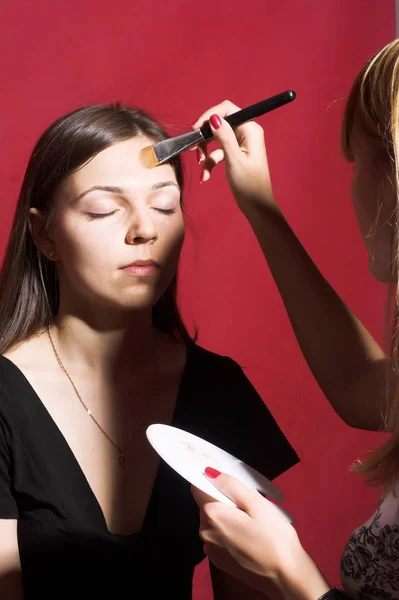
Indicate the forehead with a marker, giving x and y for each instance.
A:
(120, 165)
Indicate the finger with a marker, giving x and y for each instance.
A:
(200, 150)
(225, 135)
(202, 153)
(223, 109)
(248, 142)
(216, 157)
(201, 497)
(245, 499)
(207, 531)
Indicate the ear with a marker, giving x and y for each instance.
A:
(37, 227)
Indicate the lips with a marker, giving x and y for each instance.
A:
(142, 263)
(141, 268)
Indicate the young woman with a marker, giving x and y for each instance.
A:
(360, 381)
(93, 350)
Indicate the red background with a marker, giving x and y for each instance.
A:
(176, 59)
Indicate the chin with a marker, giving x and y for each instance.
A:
(137, 305)
(139, 302)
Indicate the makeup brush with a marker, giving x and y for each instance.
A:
(161, 152)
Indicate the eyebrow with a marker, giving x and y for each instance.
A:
(114, 189)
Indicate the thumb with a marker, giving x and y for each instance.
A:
(225, 135)
(245, 498)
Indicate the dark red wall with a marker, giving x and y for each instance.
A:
(176, 58)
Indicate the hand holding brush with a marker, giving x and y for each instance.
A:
(161, 152)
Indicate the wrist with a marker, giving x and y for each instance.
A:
(251, 207)
(301, 579)
(262, 215)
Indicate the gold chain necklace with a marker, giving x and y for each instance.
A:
(121, 455)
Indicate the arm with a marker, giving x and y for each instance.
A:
(10, 569)
(256, 547)
(227, 587)
(346, 361)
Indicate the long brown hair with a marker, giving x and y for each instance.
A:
(28, 280)
(373, 105)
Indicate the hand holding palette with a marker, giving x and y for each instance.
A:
(189, 456)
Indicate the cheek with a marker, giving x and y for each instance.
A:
(359, 206)
(171, 242)
(80, 249)
(366, 198)
(374, 208)
(173, 237)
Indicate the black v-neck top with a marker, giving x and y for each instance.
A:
(65, 547)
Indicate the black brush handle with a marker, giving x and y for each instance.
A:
(251, 112)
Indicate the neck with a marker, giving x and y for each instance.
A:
(125, 341)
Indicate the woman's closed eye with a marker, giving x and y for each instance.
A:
(93, 215)
(165, 200)
(165, 211)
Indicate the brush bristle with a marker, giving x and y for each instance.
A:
(148, 157)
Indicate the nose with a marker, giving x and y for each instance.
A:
(142, 229)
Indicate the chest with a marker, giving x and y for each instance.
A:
(103, 430)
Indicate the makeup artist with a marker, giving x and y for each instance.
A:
(254, 542)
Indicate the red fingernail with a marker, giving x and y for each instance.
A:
(216, 121)
(202, 177)
(199, 157)
(212, 473)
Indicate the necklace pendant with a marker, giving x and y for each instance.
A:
(121, 459)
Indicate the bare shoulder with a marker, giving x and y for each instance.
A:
(30, 353)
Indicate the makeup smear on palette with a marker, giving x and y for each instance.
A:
(189, 455)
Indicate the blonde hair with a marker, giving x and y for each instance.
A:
(373, 107)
